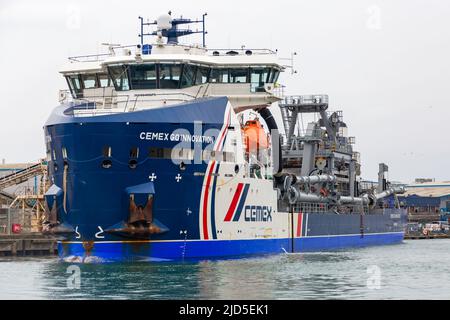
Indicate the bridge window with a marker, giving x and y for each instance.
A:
(188, 78)
(219, 76)
(169, 76)
(119, 75)
(239, 75)
(143, 76)
(202, 75)
(104, 80)
(89, 81)
(259, 77)
(75, 85)
(172, 76)
(274, 76)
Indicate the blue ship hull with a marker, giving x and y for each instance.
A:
(218, 249)
(92, 201)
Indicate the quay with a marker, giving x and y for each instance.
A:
(429, 236)
(33, 244)
(22, 189)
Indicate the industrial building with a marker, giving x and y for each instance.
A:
(427, 201)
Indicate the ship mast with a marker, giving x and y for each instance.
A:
(168, 27)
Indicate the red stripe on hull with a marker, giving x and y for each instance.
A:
(234, 202)
(205, 203)
(299, 224)
(208, 181)
(218, 147)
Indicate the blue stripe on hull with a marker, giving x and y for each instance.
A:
(179, 250)
(311, 244)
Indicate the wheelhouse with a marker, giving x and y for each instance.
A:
(148, 76)
(170, 75)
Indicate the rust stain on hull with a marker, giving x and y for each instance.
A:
(88, 246)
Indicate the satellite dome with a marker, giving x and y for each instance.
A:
(164, 22)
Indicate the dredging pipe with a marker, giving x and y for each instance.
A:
(294, 196)
(389, 191)
(315, 179)
(367, 199)
(371, 199)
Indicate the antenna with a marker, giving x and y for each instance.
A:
(168, 27)
(111, 47)
(291, 65)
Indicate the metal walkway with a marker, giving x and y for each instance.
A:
(21, 176)
(6, 195)
(291, 106)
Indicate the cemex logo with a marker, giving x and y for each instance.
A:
(252, 213)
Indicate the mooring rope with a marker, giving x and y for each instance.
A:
(66, 167)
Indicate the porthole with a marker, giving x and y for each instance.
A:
(132, 164)
(182, 166)
(106, 164)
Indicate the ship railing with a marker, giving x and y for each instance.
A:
(222, 52)
(256, 164)
(308, 207)
(339, 147)
(324, 207)
(305, 100)
(159, 97)
(241, 51)
(279, 92)
(116, 103)
(368, 186)
(308, 135)
(90, 58)
(101, 56)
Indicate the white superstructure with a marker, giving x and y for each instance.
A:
(149, 76)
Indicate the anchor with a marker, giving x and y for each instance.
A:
(140, 223)
(52, 225)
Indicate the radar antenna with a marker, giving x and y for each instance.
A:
(168, 27)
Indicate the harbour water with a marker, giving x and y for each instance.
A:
(416, 269)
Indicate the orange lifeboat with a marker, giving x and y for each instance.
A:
(255, 137)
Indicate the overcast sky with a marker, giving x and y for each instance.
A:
(386, 64)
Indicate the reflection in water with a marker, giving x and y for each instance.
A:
(336, 275)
